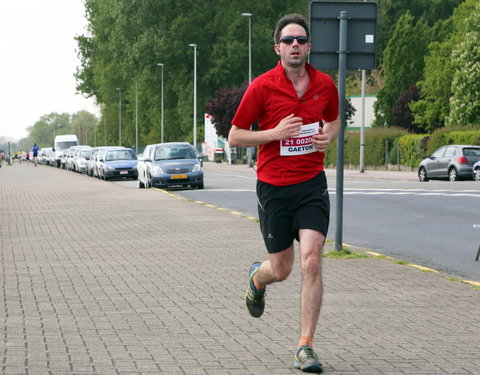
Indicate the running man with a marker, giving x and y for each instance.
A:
(35, 154)
(297, 111)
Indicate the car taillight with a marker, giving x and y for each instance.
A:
(462, 160)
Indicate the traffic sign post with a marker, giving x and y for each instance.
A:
(343, 37)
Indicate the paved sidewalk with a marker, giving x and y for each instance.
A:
(101, 279)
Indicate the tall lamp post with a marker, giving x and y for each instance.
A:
(161, 65)
(250, 150)
(119, 89)
(249, 15)
(194, 94)
(136, 115)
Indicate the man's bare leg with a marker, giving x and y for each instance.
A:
(311, 246)
(276, 268)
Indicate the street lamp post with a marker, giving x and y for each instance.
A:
(105, 126)
(161, 64)
(119, 89)
(194, 94)
(136, 115)
(250, 150)
(249, 15)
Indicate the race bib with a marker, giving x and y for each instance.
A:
(302, 143)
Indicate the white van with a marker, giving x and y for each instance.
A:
(63, 143)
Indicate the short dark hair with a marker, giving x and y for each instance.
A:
(288, 19)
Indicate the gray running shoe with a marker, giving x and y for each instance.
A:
(254, 299)
(307, 361)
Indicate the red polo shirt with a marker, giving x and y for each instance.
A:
(272, 97)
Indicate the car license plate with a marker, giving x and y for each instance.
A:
(178, 176)
(123, 172)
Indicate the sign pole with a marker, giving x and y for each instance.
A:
(342, 69)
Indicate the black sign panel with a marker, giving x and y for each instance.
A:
(361, 34)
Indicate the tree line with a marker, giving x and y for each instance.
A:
(427, 52)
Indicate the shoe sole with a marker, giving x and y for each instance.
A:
(311, 369)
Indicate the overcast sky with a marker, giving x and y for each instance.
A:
(37, 61)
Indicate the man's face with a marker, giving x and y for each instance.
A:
(294, 54)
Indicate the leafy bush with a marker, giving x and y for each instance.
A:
(446, 136)
(413, 149)
(375, 141)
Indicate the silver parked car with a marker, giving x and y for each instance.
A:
(90, 160)
(170, 164)
(452, 162)
(96, 160)
(79, 159)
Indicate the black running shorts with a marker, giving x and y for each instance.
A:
(284, 210)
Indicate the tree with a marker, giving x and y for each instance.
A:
(401, 114)
(464, 104)
(430, 111)
(389, 11)
(128, 39)
(403, 64)
(223, 106)
(43, 132)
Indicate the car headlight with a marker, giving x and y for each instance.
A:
(196, 168)
(108, 168)
(157, 171)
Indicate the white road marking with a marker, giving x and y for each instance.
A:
(418, 192)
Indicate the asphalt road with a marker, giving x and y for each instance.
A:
(434, 224)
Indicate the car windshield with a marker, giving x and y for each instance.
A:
(84, 153)
(174, 152)
(120, 155)
(471, 151)
(60, 146)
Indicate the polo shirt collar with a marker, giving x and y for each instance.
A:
(281, 70)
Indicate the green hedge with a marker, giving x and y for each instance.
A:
(412, 148)
(445, 136)
(376, 141)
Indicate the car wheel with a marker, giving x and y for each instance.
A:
(452, 174)
(422, 175)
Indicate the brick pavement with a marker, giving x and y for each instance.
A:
(102, 279)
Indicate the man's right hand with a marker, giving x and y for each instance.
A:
(288, 127)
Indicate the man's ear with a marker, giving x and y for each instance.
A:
(276, 48)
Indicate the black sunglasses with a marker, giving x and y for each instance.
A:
(290, 39)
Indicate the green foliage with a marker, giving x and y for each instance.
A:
(378, 142)
(403, 64)
(413, 149)
(432, 109)
(127, 39)
(447, 136)
(464, 105)
(389, 12)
